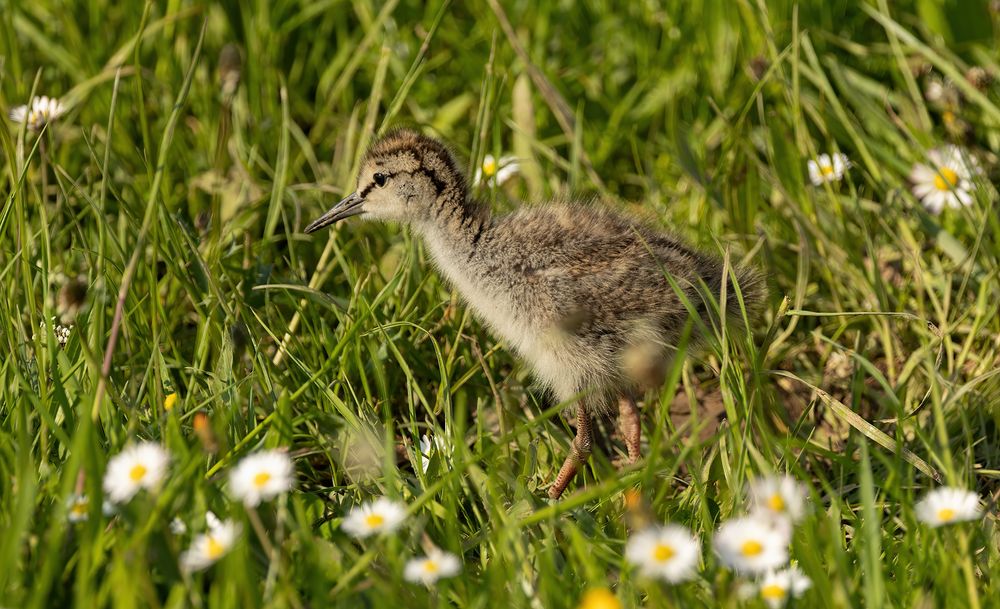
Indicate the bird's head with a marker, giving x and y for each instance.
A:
(405, 177)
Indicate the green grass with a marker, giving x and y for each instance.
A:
(872, 370)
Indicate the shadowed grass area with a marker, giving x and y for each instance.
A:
(161, 218)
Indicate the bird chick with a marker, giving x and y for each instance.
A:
(576, 290)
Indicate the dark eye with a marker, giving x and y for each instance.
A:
(380, 179)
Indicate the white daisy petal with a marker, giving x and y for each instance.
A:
(212, 520)
(666, 552)
(39, 112)
(509, 167)
(496, 171)
(776, 588)
(177, 526)
(425, 452)
(778, 497)
(947, 505)
(946, 180)
(827, 168)
(752, 544)
(429, 569)
(815, 174)
(140, 466)
(840, 164)
(18, 114)
(79, 508)
(380, 516)
(210, 546)
(262, 476)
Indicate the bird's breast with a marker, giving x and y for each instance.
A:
(500, 297)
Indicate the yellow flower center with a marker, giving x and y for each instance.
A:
(170, 401)
(430, 566)
(946, 514)
(374, 520)
(826, 170)
(776, 502)
(214, 549)
(599, 598)
(489, 167)
(946, 179)
(773, 592)
(662, 552)
(138, 472)
(751, 547)
(79, 508)
(261, 479)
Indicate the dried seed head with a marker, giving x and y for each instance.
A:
(757, 67)
(72, 296)
(979, 78)
(230, 70)
(918, 65)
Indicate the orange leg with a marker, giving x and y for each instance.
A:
(631, 426)
(579, 453)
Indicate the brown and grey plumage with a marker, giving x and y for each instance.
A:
(576, 290)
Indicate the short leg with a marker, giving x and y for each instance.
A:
(578, 455)
(631, 426)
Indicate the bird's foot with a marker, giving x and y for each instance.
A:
(631, 427)
(579, 453)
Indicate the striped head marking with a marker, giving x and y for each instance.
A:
(402, 179)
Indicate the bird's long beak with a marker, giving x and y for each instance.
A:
(351, 205)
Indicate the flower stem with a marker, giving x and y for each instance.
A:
(967, 570)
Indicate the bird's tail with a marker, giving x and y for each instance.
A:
(752, 291)
(744, 294)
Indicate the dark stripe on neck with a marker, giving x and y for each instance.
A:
(475, 239)
(439, 185)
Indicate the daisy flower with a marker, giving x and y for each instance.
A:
(428, 569)
(778, 497)
(79, 508)
(946, 505)
(177, 526)
(140, 466)
(428, 447)
(827, 168)
(42, 110)
(262, 476)
(777, 587)
(667, 552)
(752, 545)
(380, 516)
(599, 598)
(210, 546)
(496, 171)
(946, 181)
(425, 452)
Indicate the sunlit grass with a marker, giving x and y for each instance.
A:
(157, 286)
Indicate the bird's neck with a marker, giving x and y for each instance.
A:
(457, 225)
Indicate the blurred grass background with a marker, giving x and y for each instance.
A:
(201, 138)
